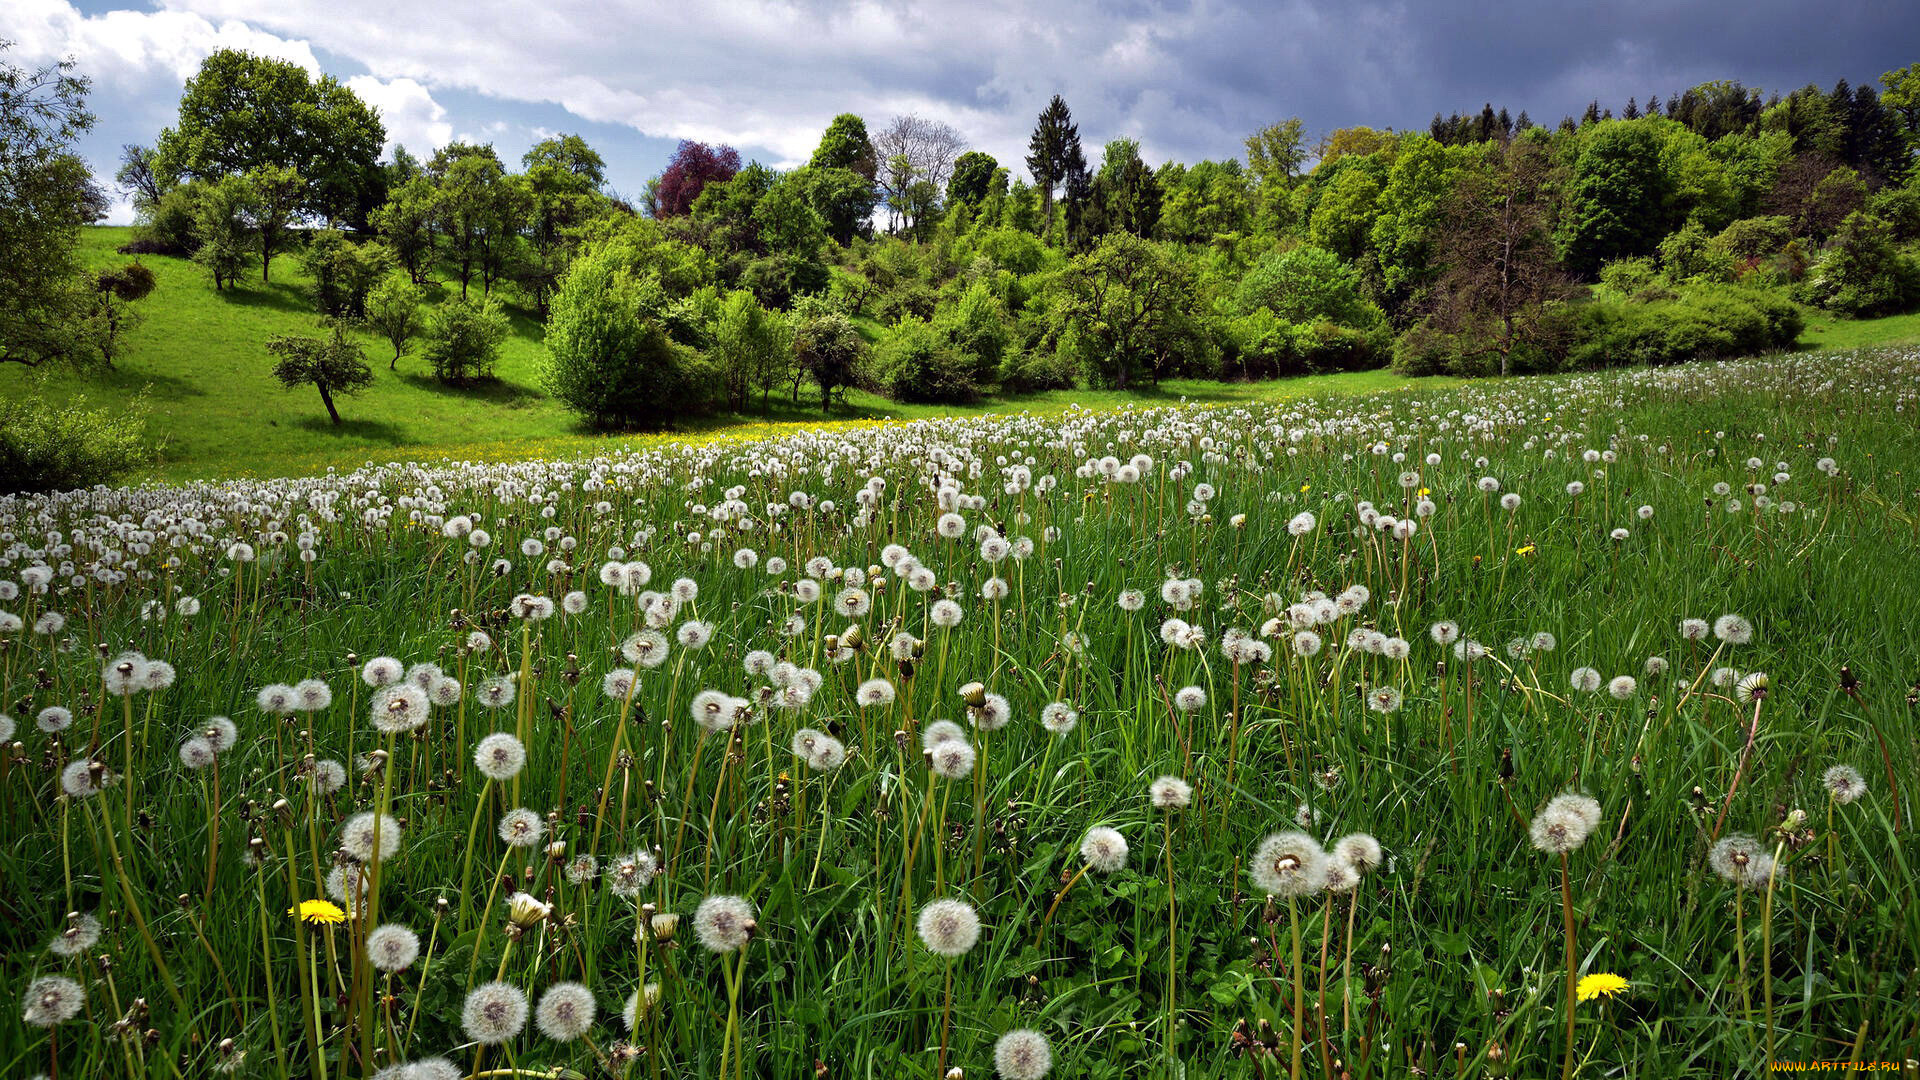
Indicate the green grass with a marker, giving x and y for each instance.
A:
(1148, 971)
(1828, 331)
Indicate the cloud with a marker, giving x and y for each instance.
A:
(136, 49)
(412, 117)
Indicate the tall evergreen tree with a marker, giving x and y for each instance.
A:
(1054, 156)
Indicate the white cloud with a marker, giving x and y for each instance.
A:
(412, 117)
(136, 49)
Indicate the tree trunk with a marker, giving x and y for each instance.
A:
(328, 399)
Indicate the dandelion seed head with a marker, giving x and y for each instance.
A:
(1170, 793)
(521, 828)
(51, 1000)
(357, 836)
(392, 947)
(1288, 864)
(949, 927)
(1104, 849)
(1844, 783)
(565, 1012)
(1742, 860)
(494, 1013)
(500, 756)
(724, 923)
(1022, 1054)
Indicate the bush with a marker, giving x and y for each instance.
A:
(1266, 346)
(463, 341)
(978, 328)
(1704, 323)
(59, 449)
(916, 362)
(1754, 238)
(610, 357)
(1863, 273)
(168, 226)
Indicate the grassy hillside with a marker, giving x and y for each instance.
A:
(199, 366)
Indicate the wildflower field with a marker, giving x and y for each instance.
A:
(1535, 728)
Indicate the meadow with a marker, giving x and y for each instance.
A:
(1546, 727)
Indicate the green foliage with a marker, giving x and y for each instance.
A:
(1699, 323)
(752, 348)
(61, 448)
(1863, 272)
(167, 224)
(1129, 304)
(1306, 284)
(917, 362)
(343, 273)
(334, 365)
(220, 223)
(393, 312)
(1618, 196)
(1754, 238)
(1689, 255)
(243, 112)
(463, 340)
(829, 349)
(975, 175)
(45, 197)
(610, 359)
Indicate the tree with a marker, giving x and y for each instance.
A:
(474, 198)
(561, 191)
(1864, 273)
(463, 340)
(1305, 284)
(222, 226)
(137, 179)
(1500, 276)
(693, 167)
(974, 176)
(1900, 92)
(571, 155)
(46, 196)
(754, 348)
(1054, 156)
(609, 358)
(1350, 142)
(242, 112)
(845, 145)
(1276, 152)
(393, 312)
(914, 150)
(333, 365)
(829, 348)
(842, 199)
(1617, 200)
(1127, 301)
(343, 273)
(118, 289)
(275, 193)
(1125, 195)
(408, 222)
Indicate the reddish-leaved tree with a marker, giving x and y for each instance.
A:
(694, 166)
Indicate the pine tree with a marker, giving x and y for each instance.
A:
(1054, 156)
(1632, 111)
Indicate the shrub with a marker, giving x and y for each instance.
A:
(610, 357)
(916, 362)
(977, 327)
(168, 226)
(463, 340)
(59, 449)
(1754, 237)
(1863, 273)
(1698, 324)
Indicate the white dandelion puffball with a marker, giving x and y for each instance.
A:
(1170, 793)
(392, 947)
(949, 927)
(565, 1012)
(1288, 864)
(1104, 849)
(1022, 1054)
(1564, 823)
(494, 1013)
(500, 756)
(724, 923)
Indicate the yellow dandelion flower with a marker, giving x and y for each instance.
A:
(1600, 984)
(1306, 487)
(1528, 550)
(318, 911)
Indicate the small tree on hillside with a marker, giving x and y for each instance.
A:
(221, 226)
(828, 348)
(334, 365)
(463, 340)
(393, 312)
(119, 289)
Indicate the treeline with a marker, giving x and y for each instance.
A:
(901, 260)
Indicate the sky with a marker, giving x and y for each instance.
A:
(1187, 80)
